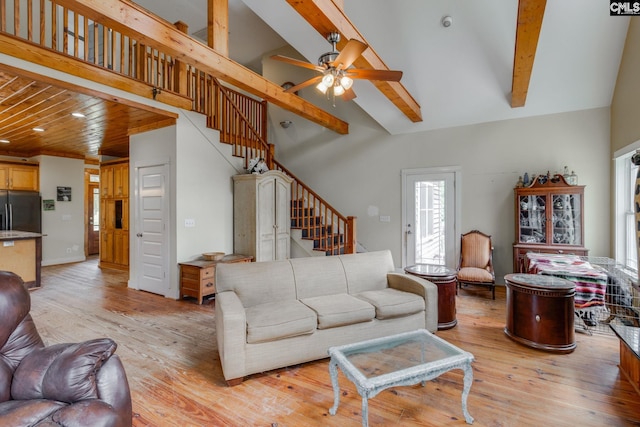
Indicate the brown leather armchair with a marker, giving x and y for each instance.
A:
(81, 384)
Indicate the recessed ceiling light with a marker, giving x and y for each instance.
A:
(4, 141)
(77, 114)
(38, 129)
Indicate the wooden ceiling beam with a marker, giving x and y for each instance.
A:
(327, 16)
(530, 15)
(149, 29)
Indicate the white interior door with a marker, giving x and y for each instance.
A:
(429, 217)
(152, 230)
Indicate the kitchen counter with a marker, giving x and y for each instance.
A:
(21, 253)
(17, 235)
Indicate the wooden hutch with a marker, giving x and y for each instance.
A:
(549, 218)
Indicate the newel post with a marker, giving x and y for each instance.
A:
(270, 156)
(180, 74)
(351, 235)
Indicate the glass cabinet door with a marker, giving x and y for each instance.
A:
(533, 223)
(566, 219)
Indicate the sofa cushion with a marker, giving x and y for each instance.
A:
(391, 303)
(317, 276)
(340, 310)
(257, 283)
(277, 320)
(367, 271)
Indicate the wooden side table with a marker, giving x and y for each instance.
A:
(540, 311)
(198, 277)
(445, 279)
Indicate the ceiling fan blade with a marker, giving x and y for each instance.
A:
(348, 95)
(350, 53)
(382, 75)
(304, 84)
(298, 63)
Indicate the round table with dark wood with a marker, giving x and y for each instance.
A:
(540, 311)
(445, 279)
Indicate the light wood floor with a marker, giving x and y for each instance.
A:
(169, 351)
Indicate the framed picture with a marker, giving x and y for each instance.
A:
(64, 194)
(49, 205)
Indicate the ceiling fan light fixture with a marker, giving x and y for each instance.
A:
(322, 87)
(346, 82)
(338, 90)
(328, 79)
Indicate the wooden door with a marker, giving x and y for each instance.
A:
(93, 220)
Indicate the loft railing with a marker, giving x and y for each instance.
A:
(69, 33)
(241, 120)
(318, 220)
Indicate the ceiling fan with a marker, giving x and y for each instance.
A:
(335, 68)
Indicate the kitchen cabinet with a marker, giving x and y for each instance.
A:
(262, 215)
(114, 214)
(549, 218)
(19, 176)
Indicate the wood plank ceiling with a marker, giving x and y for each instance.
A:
(29, 101)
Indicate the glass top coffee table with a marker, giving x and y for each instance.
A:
(396, 360)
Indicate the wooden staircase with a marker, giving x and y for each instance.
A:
(242, 122)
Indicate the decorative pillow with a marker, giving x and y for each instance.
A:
(63, 372)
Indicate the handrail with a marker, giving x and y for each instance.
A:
(317, 218)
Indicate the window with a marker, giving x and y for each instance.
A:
(625, 230)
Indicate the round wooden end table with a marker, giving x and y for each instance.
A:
(445, 279)
(540, 311)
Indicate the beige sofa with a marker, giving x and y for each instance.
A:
(280, 313)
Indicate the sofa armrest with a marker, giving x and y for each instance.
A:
(422, 287)
(231, 334)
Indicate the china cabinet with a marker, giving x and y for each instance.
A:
(549, 218)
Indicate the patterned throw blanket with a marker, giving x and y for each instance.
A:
(590, 280)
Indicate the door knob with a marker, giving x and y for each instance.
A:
(139, 234)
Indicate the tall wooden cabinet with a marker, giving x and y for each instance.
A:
(262, 215)
(19, 176)
(114, 214)
(549, 218)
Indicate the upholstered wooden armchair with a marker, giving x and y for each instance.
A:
(476, 261)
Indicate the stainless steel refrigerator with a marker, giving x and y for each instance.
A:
(20, 211)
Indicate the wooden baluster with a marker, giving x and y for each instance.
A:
(351, 235)
(65, 30)
(30, 20)
(16, 18)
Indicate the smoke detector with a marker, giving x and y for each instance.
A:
(446, 21)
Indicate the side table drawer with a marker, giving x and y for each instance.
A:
(197, 282)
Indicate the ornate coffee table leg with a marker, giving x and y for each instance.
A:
(365, 411)
(468, 380)
(333, 371)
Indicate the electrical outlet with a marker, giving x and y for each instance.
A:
(385, 218)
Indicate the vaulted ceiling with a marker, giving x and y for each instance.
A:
(457, 75)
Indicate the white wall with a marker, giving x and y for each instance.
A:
(63, 227)
(204, 189)
(356, 171)
(200, 189)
